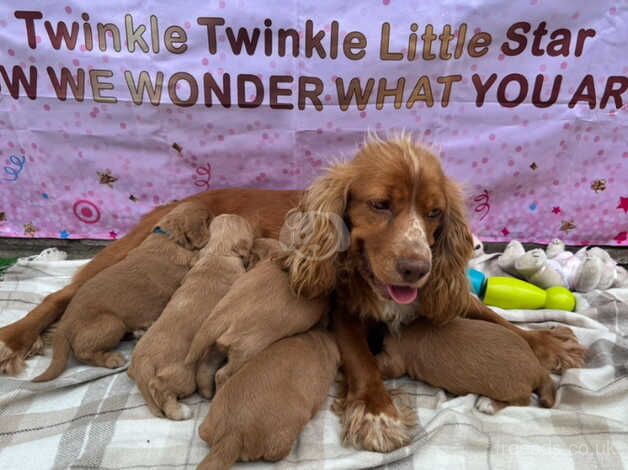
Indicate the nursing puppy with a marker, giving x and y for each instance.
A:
(469, 356)
(157, 364)
(259, 412)
(258, 310)
(131, 294)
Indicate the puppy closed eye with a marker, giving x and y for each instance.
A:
(380, 205)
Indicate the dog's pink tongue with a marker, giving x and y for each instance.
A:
(402, 294)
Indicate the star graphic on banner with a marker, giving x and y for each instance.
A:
(534, 166)
(64, 234)
(621, 237)
(132, 197)
(106, 178)
(177, 147)
(505, 232)
(113, 234)
(623, 204)
(556, 210)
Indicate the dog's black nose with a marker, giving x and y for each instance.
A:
(412, 270)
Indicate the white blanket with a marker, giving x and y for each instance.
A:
(95, 418)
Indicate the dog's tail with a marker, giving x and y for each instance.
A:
(60, 353)
(224, 453)
(546, 392)
(204, 338)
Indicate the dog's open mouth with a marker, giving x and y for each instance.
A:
(400, 294)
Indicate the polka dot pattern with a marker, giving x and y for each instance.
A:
(526, 170)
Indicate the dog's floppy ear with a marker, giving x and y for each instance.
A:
(448, 293)
(196, 221)
(315, 233)
(188, 224)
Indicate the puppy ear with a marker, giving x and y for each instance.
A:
(315, 234)
(196, 227)
(448, 293)
(188, 224)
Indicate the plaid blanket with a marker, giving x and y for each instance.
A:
(95, 418)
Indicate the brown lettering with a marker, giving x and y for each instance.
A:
(275, 92)
(354, 40)
(312, 94)
(503, 85)
(354, 90)
(538, 86)
(482, 88)
(176, 35)
(145, 84)
(520, 39)
(19, 79)
(448, 81)
(384, 51)
(383, 92)
(211, 87)
(422, 92)
(98, 87)
(615, 93)
(61, 85)
(478, 44)
(585, 92)
(259, 91)
(211, 22)
(29, 18)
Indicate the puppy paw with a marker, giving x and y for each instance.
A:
(11, 362)
(177, 411)
(114, 360)
(206, 392)
(36, 349)
(485, 405)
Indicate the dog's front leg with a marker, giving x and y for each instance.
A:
(370, 418)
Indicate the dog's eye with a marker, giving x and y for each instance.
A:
(435, 213)
(379, 205)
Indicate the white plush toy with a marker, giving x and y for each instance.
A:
(478, 246)
(583, 271)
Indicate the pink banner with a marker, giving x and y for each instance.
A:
(110, 108)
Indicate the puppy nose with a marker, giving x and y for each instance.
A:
(412, 270)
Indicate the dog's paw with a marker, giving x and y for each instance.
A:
(378, 432)
(177, 411)
(11, 362)
(485, 405)
(115, 360)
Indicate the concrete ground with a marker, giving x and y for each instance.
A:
(81, 249)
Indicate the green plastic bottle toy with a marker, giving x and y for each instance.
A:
(510, 293)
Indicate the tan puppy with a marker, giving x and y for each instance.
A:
(258, 310)
(157, 363)
(468, 356)
(131, 294)
(260, 411)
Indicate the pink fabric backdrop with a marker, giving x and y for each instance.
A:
(84, 169)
